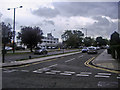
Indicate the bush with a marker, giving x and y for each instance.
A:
(115, 51)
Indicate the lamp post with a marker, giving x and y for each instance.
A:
(14, 27)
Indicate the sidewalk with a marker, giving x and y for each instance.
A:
(16, 63)
(105, 60)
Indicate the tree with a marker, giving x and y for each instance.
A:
(6, 33)
(30, 36)
(72, 38)
(100, 41)
(88, 41)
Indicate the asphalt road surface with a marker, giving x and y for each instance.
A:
(64, 72)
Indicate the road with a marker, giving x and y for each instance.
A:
(64, 72)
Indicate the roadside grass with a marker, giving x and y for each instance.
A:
(48, 55)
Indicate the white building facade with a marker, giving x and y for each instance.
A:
(49, 41)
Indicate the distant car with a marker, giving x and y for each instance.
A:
(7, 48)
(92, 50)
(84, 49)
(98, 48)
(41, 51)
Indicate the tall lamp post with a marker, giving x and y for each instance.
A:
(14, 27)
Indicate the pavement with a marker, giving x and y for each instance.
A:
(103, 60)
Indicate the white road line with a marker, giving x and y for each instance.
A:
(104, 73)
(118, 77)
(53, 65)
(82, 75)
(55, 71)
(50, 73)
(24, 70)
(9, 71)
(67, 74)
(85, 73)
(102, 76)
(70, 60)
(37, 71)
(80, 56)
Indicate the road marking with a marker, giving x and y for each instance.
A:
(53, 65)
(50, 73)
(82, 75)
(55, 71)
(118, 77)
(80, 56)
(9, 71)
(67, 74)
(102, 76)
(104, 73)
(70, 60)
(92, 66)
(85, 73)
(37, 71)
(24, 70)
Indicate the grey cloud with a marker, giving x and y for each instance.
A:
(87, 8)
(46, 12)
(49, 22)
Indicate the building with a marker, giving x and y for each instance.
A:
(49, 41)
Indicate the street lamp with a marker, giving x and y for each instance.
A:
(14, 27)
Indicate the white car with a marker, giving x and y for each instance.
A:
(85, 49)
(8, 48)
(92, 50)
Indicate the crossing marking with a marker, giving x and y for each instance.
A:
(67, 74)
(85, 73)
(53, 65)
(82, 75)
(24, 70)
(118, 77)
(104, 73)
(102, 76)
(50, 73)
(55, 71)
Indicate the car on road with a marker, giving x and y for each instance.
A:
(41, 51)
(20, 48)
(7, 48)
(92, 50)
(85, 49)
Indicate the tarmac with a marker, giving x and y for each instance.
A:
(104, 60)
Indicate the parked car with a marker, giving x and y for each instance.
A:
(41, 51)
(84, 49)
(7, 48)
(92, 50)
(20, 48)
(98, 48)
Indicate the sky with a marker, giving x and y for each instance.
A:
(99, 18)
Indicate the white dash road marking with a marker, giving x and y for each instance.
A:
(55, 71)
(85, 73)
(104, 73)
(102, 76)
(82, 75)
(37, 71)
(53, 65)
(67, 74)
(80, 56)
(24, 70)
(70, 60)
(9, 71)
(50, 73)
(118, 77)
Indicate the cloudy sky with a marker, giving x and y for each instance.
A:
(100, 18)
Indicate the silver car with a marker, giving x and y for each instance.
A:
(92, 50)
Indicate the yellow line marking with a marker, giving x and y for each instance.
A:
(88, 61)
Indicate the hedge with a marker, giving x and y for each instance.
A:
(115, 49)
